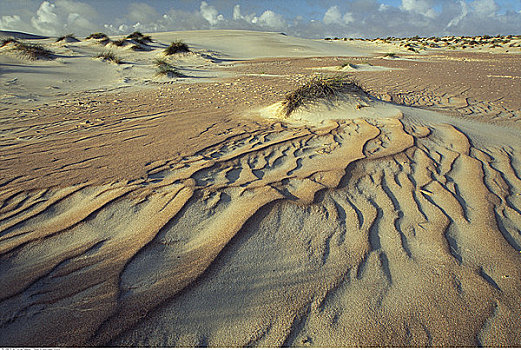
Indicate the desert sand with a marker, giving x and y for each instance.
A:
(138, 210)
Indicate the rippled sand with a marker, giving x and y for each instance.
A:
(176, 223)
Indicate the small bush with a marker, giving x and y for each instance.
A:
(140, 38)
(120, 42)
(98, 36)
(4, 42)
(176, 47)
(391, 55)
(137, 48)
(319, 88)
(109, 56)
(166, 69)
(31, 51)
(65, 37)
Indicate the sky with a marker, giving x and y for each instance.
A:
(301, 18)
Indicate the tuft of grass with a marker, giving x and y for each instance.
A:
(176, 47)
(166, 69)
(120, 42)
(137, 48)
(68, 36)
(319, 88)
(109, 56)
(140, 38)
(4, 42)
(30, 51)
(391, 55)
(98, 36)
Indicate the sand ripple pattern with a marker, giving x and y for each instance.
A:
(360, 232)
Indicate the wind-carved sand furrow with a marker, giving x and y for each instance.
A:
(116, 248)
(100, 267)
(59, 195)
(288, 235)
(19, 202)
(60, 222)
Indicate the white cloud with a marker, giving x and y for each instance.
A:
(238, 16)
(464, 12)
(11, 22)
(142, 12)
(484, 8)
(355, 18)
(422, 7)
(63, 16)
(272, 20)
(210, 13)
(334, 16)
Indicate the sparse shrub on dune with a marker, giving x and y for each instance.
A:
(120, 42)
(102, 38)
(98, 36)
(138, 48)
(166, 69)
(4, 42)
(319, 88)
(391, 55)
(109, 56)
(140, 38)
(29, 51)
(177, 46)
(68, 37)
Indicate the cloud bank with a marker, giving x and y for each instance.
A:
(357, 18)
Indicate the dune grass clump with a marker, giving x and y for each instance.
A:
(4, 42)
(391, 55)
(70, 37)
(319, 88)
(120, 42)
(109, 56)
(166, 69)
(30, 51)
(140, 38)
(98, 36)
(176, 47)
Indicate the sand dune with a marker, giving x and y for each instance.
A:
(354, 222)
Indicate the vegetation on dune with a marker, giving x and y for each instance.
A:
(29, 51)
(109, 56)
(68, 36)
(391, 55)
(120, 42)
(319, 88)
(177, 46)
(166, 69)
(98, 36)
(136, 48)
(140, 38)
(4, 42)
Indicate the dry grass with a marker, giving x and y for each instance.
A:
(140, 38)
(4, 42)
(30, 51)
(109, 56)
(166, 69)
(120, 42)
(68, 36)
(319, 88)
(98, 36)
(176, 47)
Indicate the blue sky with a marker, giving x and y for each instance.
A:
(305, 18)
